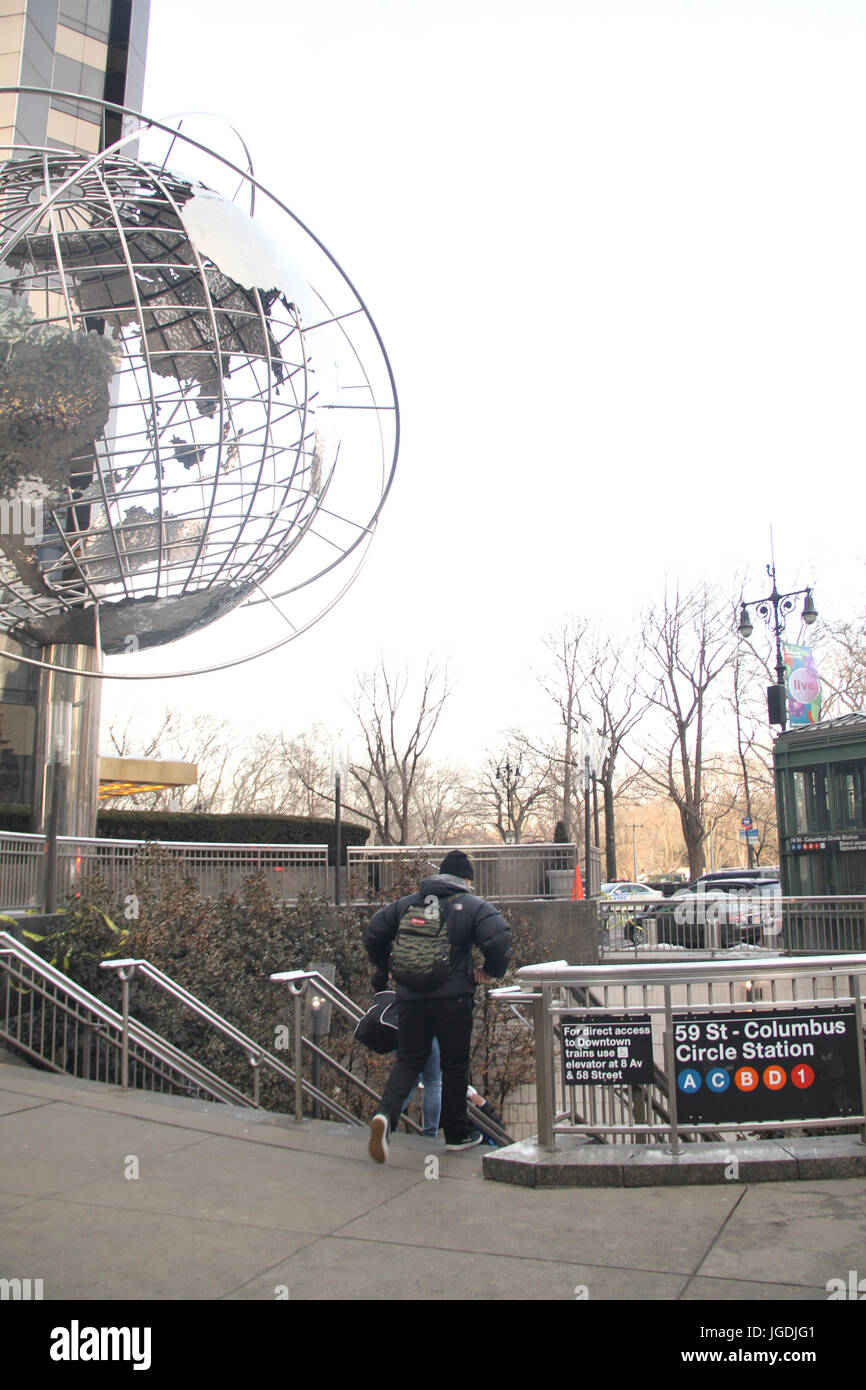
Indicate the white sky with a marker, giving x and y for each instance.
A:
(617, 255)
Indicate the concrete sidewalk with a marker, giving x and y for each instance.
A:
(106, 1196)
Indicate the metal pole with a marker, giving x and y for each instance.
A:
(58, 788)
(587, 888)
(595, 809)
(544, 1069)
(854, 988)
(317, 1066)
(299, 1060)
(338, 840)
(124, 1047)
(671, 1069)
(634, 853)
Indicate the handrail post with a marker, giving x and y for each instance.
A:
(544, 1068)
(125, 977)
(854, 987)
(671, 1069)
(299, 1059)
(254, 1063)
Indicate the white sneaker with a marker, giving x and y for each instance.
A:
(380, 1131)
(468, 1143)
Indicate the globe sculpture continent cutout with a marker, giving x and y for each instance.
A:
(184, 412)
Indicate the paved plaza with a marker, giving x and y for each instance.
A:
(135, 1197)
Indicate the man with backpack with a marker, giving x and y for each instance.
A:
(425, 942)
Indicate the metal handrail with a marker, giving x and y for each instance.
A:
(559, 972)
(539, 982)
(298, 980)
(43, 974)
(124, 1031)
(256, 1053)
(815, 923)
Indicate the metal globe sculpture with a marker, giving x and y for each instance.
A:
(196, 409)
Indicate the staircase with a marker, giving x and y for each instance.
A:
(51, 1021)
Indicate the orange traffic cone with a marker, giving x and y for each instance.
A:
(577, 885)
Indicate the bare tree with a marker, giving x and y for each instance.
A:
(211, 743)
(289, 777)
(750, 675)
(843, 667)
(688, 644)
(442, 805)
(612, 679)
(594, 684)
(396, 725)
(515, 788)
(564, 684)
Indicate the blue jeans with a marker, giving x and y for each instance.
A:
(431, 1079)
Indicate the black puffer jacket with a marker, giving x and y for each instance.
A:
(469, 921)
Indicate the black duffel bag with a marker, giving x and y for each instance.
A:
(377, 1030)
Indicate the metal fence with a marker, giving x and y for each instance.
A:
(501, 871)
(55, 1022)
(746, 920)
(675, 1004)
(214, 868)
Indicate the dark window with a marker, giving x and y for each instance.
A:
(811, 807)
(849, 781)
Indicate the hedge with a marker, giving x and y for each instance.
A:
(202, 828)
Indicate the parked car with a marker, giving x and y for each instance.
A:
(746, 906)
(619, 891)
(624, 904)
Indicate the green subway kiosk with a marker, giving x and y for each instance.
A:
(820, 772)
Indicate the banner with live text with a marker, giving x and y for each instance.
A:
(803, 684)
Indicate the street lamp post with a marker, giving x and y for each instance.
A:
(592, 758)
(587, 783)
(338, 837)
(339, 777)
(509, 776)
(774, 609)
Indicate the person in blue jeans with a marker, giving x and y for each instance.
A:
(431, 1104)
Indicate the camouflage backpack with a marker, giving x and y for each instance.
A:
(421, 954)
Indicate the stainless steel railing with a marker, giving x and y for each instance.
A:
(665, 993)
(215, 868)
(51, 1019)
(258, 1056)
(299, 983)
(751, 920)
(56, 1022)
(501, 871)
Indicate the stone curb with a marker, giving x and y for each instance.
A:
(578, 1163)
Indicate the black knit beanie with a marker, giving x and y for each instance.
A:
(457, 863)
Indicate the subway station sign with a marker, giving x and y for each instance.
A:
(849, 843)
(607, 1051)
(796, 1064)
